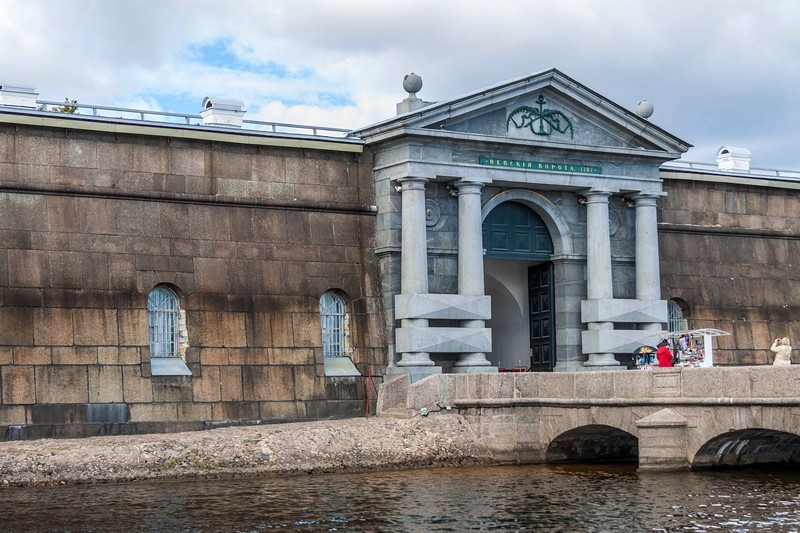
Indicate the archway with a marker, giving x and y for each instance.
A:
(748, 447)
(594, 443)
(519, 277)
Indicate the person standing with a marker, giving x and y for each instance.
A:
(663, 355)
(783, 352)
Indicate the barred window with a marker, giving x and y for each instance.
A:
(675, 321)
(164, 315)
(332, 317)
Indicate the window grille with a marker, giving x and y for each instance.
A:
(332, 318)
(164, 315)
(675, 319)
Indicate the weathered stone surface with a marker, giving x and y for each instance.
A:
(135, 387)
(157, 412)
(18, 384)
(194, 411)
(52, 326)
(268, 383)
(62, 384)
(15, 326)
(308, 385)
(306, 329)
(594, 385)
(172, 389)
(234, 332)
(105, 384)
(95, 327)
(207, 388)
(282, 333)
(25, 355)
(69, 355)
(725, 382)
(231, 383)
(557, 385)
(282, 411)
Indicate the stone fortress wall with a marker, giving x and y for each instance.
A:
(730, 251)
(249, 237)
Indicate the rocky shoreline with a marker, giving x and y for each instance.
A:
(276, 449)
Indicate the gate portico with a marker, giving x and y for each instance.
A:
(439, 165)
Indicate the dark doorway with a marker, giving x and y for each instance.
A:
(541, 309)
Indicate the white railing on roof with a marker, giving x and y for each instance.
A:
(188, 119)
(787, 175)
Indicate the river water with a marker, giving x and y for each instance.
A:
(552, 498)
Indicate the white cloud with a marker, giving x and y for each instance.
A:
(716, 70)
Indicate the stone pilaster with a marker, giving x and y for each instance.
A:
(648, 276)
(414, 270)
(599, 280)
(470, 266)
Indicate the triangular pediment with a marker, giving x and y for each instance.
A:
(544, 108)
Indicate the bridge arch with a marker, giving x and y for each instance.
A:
(593, 443)
(748, 447)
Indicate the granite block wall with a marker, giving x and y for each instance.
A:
(729, 255)
(249, 237)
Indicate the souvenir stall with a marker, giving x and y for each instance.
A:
(691, 348)
(694, 348)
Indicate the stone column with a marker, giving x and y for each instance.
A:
(470, 265)
(414, 258)
(599, 280)
(648, 276)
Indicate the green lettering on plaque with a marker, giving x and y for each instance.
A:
(540, 165)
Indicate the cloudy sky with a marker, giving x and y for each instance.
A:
(718, 72)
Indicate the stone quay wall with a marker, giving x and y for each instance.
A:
(248, 236)
(673, 417)
(729, 255)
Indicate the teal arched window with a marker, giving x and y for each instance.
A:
(514, 231)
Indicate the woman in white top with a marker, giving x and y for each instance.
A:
(783, 352)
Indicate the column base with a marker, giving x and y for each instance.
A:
(474, 370)
(415, 359)
(601, 359)
(609, 368)
(472, 359)
(415, 373)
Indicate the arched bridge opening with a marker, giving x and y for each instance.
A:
(594, 444)
(749, 447)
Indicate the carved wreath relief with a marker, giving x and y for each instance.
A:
(540, 121)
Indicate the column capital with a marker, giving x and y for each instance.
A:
(595, 196)
(411, 183)
(642, 198)
(467, 187)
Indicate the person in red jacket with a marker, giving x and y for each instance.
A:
(663, 355)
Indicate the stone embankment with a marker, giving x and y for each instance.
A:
(276, 449)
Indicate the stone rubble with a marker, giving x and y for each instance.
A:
(260, 450)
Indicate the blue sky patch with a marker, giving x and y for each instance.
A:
(222, 54)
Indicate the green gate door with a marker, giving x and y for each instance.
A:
(541, 307)
(513, 231)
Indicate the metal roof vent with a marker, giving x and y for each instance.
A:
(730, 158)
(222, 112)
(18, 96)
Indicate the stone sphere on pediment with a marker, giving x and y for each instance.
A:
(412, 83)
